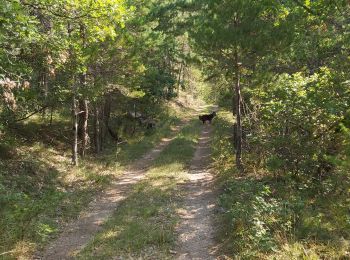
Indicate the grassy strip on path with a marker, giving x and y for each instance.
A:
(40, 190)
(143, 226)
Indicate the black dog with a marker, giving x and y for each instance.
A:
(209, 117)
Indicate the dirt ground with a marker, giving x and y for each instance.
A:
(196, 230)
(79, 232)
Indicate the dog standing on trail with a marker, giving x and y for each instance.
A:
(208, 118)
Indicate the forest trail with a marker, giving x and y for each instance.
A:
(79, 232)
(196, 230)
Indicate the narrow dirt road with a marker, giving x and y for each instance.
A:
(78, 233)
(196, 230)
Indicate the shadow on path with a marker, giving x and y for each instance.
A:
(78, 233)
(196, 227)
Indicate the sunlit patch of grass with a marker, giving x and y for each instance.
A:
(222, 146)
(139, 144)
(23, 250)
(143, 225)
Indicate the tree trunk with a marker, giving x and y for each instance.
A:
(83, 104)
(74, 108)
(107, 112)
(105, 115)
(179, 78)
(97, 129)
(45, 85)
(102, 127)
(75, 128)
(46, 26)
(135, 121)
(83, 125)
(51, 115)
(237, 101)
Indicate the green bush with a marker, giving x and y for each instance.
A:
(298, 123)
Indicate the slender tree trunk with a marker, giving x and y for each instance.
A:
(74, 108)
(102, 127)
(237, 100)
(51, 115)
(46, 26)
(83, 125)
(107, 112)
(179, 78)
(135, 120)
(45, 85)
(83, 105)
(105, 115)
(97, 128)
(75, 128)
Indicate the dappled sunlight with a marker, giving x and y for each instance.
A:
(195, 230)
(99, 210)
(22, 250)
(147, 215)
(186, 129)
(110, 234)
(136, 221)
(57, 191)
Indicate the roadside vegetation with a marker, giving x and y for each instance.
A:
(269, 216)
(87, 87)
(41, 190)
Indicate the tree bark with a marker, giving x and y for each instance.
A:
(179, 78)
(75, 128)
(83, 125)
(74, 109)
(105, 115)
(83, 105)
(107, 112)
(45, 85)
(46, 27)
(135, 120)
(237, 104)
(102, 127)
(97, 129)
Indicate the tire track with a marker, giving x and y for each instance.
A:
(80, 231)
(196, 230)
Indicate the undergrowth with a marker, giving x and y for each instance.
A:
(143, 225)
(269, 217)
(39, 188)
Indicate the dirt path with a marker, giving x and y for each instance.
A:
(196, 228)
(78, 233)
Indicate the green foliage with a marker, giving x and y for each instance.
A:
(158, 84)
(298, 122)
(47, 47)
(251, 215)
(40, 190)
(270, 217)
(293, 61)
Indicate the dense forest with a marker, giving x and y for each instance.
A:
(88, 87)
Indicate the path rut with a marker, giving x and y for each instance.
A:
(196, 230)
(79, 232)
